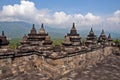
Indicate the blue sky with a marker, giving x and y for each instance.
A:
(61, 13)
(73, 6)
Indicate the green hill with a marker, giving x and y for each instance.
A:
(18, 29)
(14, 29)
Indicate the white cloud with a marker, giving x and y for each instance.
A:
(117, 12)
(88, 19)
(26, 11)
(115, 18)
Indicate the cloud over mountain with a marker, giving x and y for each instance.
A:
(115, 18)
(27, 11)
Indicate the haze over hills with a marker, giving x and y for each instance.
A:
(18, 29)
(14, 29)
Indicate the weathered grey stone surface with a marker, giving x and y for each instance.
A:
(93, 65)
(34, 75)
(108, 69)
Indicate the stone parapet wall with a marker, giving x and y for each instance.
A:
(80, 61)
(9, 67)
(64, 65)
(58, 67)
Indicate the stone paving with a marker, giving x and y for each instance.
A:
(108, 69)
(34, 75)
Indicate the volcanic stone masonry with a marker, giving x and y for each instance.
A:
(36, 53)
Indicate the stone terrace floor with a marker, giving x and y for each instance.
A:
(108, 69)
